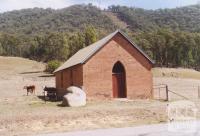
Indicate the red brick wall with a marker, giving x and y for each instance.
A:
(71, 76)
(97, 72)
(58, 79)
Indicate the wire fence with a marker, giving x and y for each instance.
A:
(160, 92)
(170, 93)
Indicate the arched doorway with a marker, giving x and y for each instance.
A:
(119, 80)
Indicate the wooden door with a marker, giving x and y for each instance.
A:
(119, 90)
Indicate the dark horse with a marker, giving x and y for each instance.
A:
(50, 92)
(30, 89)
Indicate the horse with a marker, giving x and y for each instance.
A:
(30, 89)
(50, 92)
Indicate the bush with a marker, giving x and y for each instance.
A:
(52, 65)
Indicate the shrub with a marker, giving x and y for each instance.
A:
(52, 65)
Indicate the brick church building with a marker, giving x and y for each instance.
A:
(113, 67)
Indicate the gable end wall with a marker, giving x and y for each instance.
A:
(97, 71)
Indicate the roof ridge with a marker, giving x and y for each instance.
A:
(84, 54)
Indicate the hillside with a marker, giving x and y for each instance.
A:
(74, 18)
(37, 20)
(11, 66)
(16, 72)
(184, 18)
(168, 36)
(180, 73)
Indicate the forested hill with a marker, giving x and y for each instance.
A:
(169, 36)
(75, 18)
(37, 20)
(185, 18)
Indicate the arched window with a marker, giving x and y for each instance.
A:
(118, 68)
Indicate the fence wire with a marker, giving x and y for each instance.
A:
(165, 92)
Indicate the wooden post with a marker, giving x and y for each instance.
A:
(167, 93)
(159, 94)
(198, 92)
(44, 97)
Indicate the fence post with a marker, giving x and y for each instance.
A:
(159, 94)
(198, 92)
(167, 93)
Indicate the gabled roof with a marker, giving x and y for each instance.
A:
(84, 54)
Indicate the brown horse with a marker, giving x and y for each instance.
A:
(30, 89)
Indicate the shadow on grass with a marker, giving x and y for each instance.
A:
(61, 105)
(50, 75)
(161, 100)
(46, 99)
(41, 98)
(31, 72)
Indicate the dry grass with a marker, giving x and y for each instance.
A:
(29, 115)
(121, 24)
(17, 72)
(182, 81)
(15, 65)
(176, 73)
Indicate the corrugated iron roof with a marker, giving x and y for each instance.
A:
(84, 54)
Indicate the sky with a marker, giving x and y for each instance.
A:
(8, 5)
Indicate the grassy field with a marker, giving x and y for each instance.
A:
(181, 81)
(176, 73)
(29, 115)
